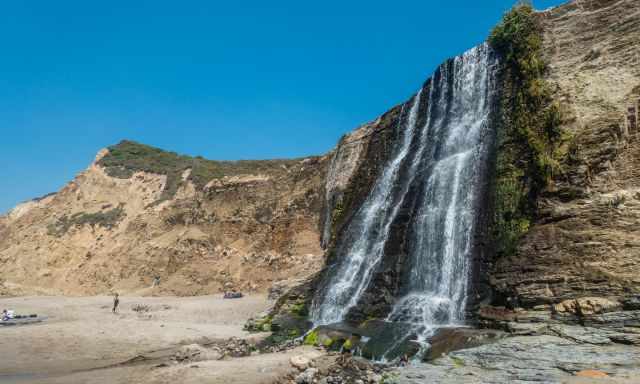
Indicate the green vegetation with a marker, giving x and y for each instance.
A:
(327, 342)
(128, 157)
(389, 378)
(293, 333)
(263, 324)
(311, 338)
(106, 219)
(300, 309)
(530, 134)
(457, 362)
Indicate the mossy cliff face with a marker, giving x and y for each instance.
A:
(563, 215)
(528, 129)
(526, 151)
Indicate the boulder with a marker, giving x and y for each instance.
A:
(300, 362)
(591, 373)
(585, 306)
(447, 340)
(307, 376)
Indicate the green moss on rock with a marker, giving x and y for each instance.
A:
(293, 333)
(529, 128)
(259, 324)
(300, 309)
(311, 338)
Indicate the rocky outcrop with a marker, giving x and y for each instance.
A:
(530, 359)
(580, 239)
(584, 243)
(559, 354)
(363, 155)
(355, 164)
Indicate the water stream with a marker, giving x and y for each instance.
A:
(444, 164)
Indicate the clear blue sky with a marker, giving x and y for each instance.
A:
(221, 79)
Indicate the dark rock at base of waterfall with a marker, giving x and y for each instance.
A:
(374, 339)
(389, 340)
(447, 340)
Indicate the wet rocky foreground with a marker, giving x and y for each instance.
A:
(536, 353)
(533, 359)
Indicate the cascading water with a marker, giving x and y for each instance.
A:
(442, 160)
(442, 227)
(368, 234)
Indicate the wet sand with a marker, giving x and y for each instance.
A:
(83, 342)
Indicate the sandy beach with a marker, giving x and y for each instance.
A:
(83, 342)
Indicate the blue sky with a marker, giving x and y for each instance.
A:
(221, 79)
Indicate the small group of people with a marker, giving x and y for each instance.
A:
(7, 314)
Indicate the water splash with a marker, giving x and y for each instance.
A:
(443, 224)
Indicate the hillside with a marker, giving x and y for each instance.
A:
(138, 212)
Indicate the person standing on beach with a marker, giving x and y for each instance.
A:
(116, 301)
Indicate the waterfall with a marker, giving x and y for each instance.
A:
(368, 233)
(443, 224)
(445, 166)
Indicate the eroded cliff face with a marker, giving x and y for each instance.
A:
(355, 163)
(351, 172)
(581, 255)
(247, 226)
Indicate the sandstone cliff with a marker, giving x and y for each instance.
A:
(116, 226)
(584, 242)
